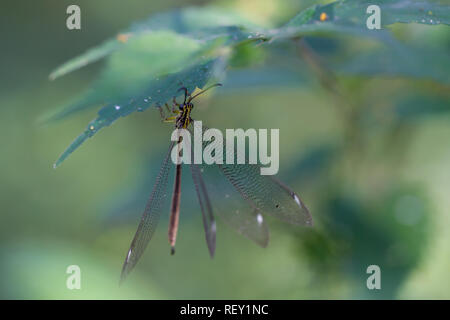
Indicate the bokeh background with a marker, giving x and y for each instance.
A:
(376, 178)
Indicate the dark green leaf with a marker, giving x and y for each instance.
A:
(129, 70)
(157, 93)
(353, 13)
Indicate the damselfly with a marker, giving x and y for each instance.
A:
(262, 195)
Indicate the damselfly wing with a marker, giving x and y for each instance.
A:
(265, 193)
(233, 209)
(150, 217)
(209, 223)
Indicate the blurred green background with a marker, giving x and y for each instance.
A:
(375, 178)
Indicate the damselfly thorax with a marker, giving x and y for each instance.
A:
(182, 111)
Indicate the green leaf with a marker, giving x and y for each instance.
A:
(129, 71)
(340, 16)
(88, 57)
(192, 20)
(353, 12)
(146, 57)
(157, 93)
(322, 20)
(196, 22)
(149, 55)
(349, 17)
(303, 17)
(401, 11)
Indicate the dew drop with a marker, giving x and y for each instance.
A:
(259, 218)
(297, 200)
(91, 127)
(117, 107)
(128, 255)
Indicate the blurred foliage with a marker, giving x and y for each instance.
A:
(152, 52)
(362, 116)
